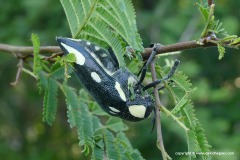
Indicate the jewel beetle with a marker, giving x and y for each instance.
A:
(117, 91)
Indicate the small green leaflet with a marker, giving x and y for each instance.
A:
(36, 57)
(221, 51)
(79, 117)
(50, 101)
(70, 58)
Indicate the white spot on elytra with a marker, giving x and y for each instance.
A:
(80, 59)
(100, 63)
(88, 43)
(87, 49)
(120, 91)
(114, 109)
(97, 48)
(112, 112)
(104, 55)
(137, 110)
(95, 77)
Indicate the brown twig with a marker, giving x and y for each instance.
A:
(210, 2)
(25, 50)
(28, 50)
(176, 47)
(208, 41)
(53, 56)
(158, 120)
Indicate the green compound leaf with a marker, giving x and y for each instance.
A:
(42, 82)
(180, 90)
(50, 101)
(79, 117)
(108, 23)
(126, 149)
(36, 57)
(97, 152)
(111, 148)
(211, 25)
(196, 138)
(116, 124)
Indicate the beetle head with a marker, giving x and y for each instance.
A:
(141, 106)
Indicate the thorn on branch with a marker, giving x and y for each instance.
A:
(24, 57)
(53, 56)
(20, 66)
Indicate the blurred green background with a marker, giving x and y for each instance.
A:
(23, 135)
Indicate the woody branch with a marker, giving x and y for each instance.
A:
(24, 51)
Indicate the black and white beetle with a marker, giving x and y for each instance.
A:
(99, 72)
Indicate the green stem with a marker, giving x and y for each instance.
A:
(86, 19)
(206, 28)
(29, 72)
(168, 113)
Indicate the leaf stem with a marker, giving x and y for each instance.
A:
(87, 17)
(29, 72)
(168, 113)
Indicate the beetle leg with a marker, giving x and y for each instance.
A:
(170, 74)
(143, 70)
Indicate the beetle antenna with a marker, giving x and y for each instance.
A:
(162, 87)
(173, 69)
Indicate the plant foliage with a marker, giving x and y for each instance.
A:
(80, 118)
(213, 28)
(50, 101)
(105, 22)
(180, 90)
(92, 134)
(36, 61)
(111, 23)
